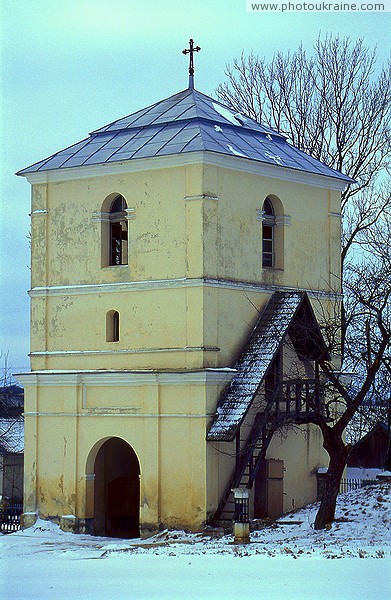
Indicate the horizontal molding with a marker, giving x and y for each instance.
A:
(140, 286)
(283, 220)
(130, 213)
(125, 378)
(237, 163)
(39, 211)
(104, 217)
(100, 217)
(124, 351)
(201, 197)
(279, 220)
(108, 413)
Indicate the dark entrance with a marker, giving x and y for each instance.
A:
(117, 490)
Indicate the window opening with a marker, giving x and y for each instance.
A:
(118, 232)
(268, 227)
(112, 326)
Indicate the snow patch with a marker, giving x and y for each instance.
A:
(241, 118)
(277, 159)
(236, 152)
(227, 114)
(218, 129)
(42, 527)
(174, 564)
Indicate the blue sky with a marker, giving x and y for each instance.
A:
(70, 67)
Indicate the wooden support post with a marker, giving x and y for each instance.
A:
(298, 399)
(317, 386)
(237, 454)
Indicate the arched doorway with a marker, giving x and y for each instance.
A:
(116, 490)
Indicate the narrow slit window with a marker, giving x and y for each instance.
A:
(112, 326)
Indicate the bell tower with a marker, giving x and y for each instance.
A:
(156, 242)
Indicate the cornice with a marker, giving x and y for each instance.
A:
(124, 351)
(139, 286)
(125, 378)
(244, 165)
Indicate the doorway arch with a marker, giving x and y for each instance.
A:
(116, 494)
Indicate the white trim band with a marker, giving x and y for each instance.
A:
(39, 211)
(279, 220)
(107, 413)
(201, 197)
(126, 378)
(139, 286)
(124, 351)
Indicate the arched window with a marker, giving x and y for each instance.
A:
(268, 234)
(112, 326)
(118, 238)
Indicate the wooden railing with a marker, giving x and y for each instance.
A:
(291, 402)
(299, 397)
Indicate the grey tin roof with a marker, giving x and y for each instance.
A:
(185, 122)
(256, 358)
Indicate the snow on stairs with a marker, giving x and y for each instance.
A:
(249, 461)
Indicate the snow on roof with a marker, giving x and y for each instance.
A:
(185, 122)
(227, 114)
(236, 152)
(253, 364)
(11, 436)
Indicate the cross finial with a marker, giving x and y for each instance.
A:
(191, 51)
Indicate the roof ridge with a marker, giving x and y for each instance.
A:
(230, 117)
(144, 110)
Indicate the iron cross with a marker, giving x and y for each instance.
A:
(191, 51)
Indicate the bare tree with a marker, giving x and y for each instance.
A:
(334, 106)
(330, 105)
(369, 292)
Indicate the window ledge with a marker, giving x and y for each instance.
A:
(115, 266)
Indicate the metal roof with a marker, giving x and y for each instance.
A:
(256, 358)
(185, 122)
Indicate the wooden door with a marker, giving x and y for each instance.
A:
(269, 489)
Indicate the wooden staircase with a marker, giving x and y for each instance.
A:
(291, 402)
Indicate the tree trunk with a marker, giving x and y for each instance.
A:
(338, 452)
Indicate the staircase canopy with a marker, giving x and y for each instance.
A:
(285, 311)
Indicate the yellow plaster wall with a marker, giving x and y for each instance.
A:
(302, 452)
(190, 222)
(233, 245)
(164, 424)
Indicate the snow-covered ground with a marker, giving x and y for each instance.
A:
(288, 560)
